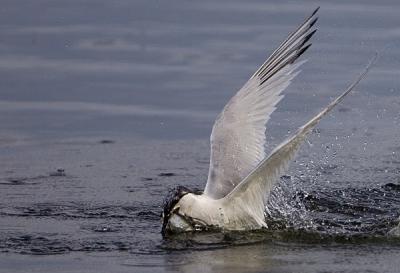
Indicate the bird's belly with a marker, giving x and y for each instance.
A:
(228, 219)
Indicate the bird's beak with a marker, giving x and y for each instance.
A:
(175, 222)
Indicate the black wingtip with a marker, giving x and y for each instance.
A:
(315, 11)
(308, 37)
(301, 51)
(312, 23)
(288, 51)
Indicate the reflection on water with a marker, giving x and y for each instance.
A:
(122, 95)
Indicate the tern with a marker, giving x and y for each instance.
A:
(241, 176)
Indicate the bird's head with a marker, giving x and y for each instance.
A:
(173, 221)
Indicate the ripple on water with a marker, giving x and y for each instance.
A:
(350, 215)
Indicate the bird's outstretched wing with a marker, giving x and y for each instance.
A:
(252, 192)
(238, 134)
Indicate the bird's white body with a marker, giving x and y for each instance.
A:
(220, 214)
(241, 176)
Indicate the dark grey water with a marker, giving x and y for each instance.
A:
(105, 105)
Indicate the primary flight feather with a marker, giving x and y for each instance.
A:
(241, 175)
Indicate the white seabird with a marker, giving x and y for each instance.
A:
(241, 176)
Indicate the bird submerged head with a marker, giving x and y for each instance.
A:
(173, 221)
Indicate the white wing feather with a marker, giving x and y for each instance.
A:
(238, 135)
(253, 191)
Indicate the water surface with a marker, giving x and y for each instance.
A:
(104, 106)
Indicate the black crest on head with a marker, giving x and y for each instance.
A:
(172, 198)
